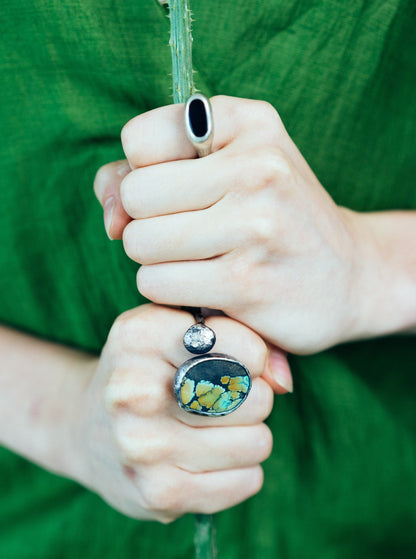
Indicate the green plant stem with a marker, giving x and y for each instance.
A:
(183, 87)
(181, 49)
(205, 544)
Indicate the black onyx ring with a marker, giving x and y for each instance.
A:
(211, 383)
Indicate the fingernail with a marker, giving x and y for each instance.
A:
(280, 371)
(108, 214)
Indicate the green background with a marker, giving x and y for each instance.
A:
(341, 480)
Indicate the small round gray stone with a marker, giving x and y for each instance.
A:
(199, 339)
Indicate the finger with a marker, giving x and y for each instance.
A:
(159, 136)
(143, 441)
(205, 283)
(148, 331)
(195, 235)
(151, 396)
(147, 345)
(244, 345)
(277, 372)
(157, 332)
(223, 448)
(199, 493)
(107, 189)
(215, 491)
(144, 390)
(191, 449)
(177, 186)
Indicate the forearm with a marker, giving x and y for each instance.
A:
(387, 274)
(41, 393)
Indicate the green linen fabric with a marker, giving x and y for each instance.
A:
(341, 480)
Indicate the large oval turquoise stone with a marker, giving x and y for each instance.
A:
(212, 384)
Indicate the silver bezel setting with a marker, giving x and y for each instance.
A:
(193, 362)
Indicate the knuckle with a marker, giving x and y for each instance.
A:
(257, 479)
(130, 243)
(151, 399)
(132, 329)
(239, 276)
(128, 195)
(171, 499)
(149, 451)
(127, 138)
(147, 285)
(244, 275)
(265, 169)
(135, 392)
(238, 112)
(265, 113)
(270, 164)
(267, 399)
(133, 195)
(254, 114)
(161, 497)
(263, 228)
(256, 352)
(114, 393)
(167, 518)
(262, 400)
(266, 122)
(234, 109)
(137, 243)
(138, 443)
(248, 111)
(264, 442)
(125, 329)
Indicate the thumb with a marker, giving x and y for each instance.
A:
(277, 371)
(107, 189)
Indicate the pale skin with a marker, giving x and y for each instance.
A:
(250, 230)
(269, 248)
(112, 424)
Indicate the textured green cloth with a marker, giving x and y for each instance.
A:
(341, 482)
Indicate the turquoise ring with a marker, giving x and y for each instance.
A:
(211, 384)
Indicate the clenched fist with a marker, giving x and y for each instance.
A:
(248, 229)
(146, 456)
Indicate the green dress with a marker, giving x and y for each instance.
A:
(341, 480)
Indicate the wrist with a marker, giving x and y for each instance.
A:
(384, 286)
(42, 387)
(72, 461)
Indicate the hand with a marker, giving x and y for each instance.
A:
(147, 457)
(248, 229)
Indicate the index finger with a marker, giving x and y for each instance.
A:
(159, 135)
